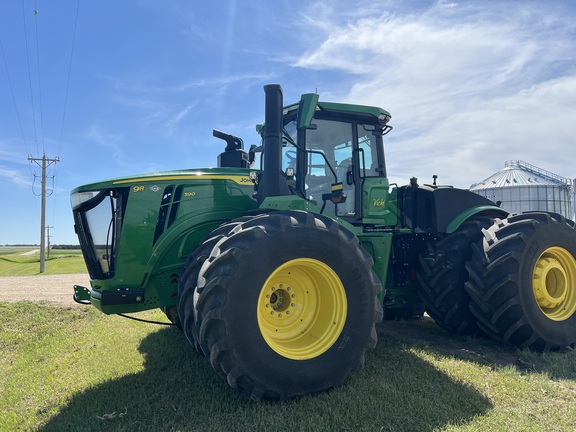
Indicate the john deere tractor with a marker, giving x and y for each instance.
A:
(278, 263)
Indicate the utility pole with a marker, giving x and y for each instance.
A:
(48, 239)
(43, 162)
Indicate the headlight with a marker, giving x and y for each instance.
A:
(384, 118)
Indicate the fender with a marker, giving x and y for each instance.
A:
(441, 209)
(491, 210)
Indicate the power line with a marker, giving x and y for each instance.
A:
(64, 111)
(39, 77)
(69, 74)
(66, 98)
(13, 96)
(39, 100)
(35, 90)
(29, 76)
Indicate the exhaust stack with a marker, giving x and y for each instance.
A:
(272, 182)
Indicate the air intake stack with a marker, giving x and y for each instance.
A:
(272, 182)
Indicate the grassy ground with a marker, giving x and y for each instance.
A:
(16, 262)
(76, 369)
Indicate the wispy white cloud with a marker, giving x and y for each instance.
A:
(9, 154)
(108, 151)
(15, 168)
(173, 122)
(96, 135)
(468, 86)
(16, 177)
(152, 103)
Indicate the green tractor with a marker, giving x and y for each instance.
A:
(278, 264)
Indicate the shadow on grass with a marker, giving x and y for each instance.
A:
(178, 390)
(425, 334)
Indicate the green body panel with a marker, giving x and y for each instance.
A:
(207, 199)
(308, 104)
(137, 182)
(379, 246)
(468, 213)
(292, 202)
(379, 203)
(334, 107)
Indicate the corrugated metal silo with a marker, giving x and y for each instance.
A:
(521, 187)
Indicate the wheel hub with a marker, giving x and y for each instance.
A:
(279, 300)
(302, 309)
(549, 283)
(554, 283)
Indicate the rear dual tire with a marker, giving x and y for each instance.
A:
(443, 274)
(523, 281)
(512, 279)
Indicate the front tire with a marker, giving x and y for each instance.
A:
(523, 281)
(287, 305)
(188, 282)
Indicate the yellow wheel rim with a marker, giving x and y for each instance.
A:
(302, 309)
(554, 283)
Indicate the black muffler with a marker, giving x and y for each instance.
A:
(272, 182)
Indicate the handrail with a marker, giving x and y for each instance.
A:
(535, 170)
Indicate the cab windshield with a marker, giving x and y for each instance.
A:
(336, 152)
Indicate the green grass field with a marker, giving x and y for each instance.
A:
(76, 369)
(17, 262)
(73, 368)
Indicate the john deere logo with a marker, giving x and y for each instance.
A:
(154, 188)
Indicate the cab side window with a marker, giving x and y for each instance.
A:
(368, 151)
(332, 142)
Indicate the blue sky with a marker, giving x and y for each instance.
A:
(119, 88)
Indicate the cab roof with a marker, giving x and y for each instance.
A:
(377, 114)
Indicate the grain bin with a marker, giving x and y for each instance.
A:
(521, 187)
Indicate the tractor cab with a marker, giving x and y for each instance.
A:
(331, 159)
(332, 155)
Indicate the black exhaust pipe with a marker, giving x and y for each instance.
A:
(272, 182)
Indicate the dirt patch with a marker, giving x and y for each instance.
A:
(57, 289)
(32, 252)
